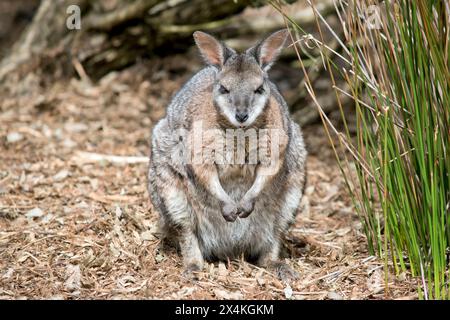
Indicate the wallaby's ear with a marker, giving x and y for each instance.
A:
(213, 51)
(267, 51)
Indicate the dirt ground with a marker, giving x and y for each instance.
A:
(75, 227)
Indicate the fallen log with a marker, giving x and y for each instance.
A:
(113, 38)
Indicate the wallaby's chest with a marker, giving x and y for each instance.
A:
(235, 152)
(236, 173)
(237, 162)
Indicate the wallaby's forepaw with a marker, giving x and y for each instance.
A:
(284, 272)
(230, 211)
(191, 271)
(245, 208)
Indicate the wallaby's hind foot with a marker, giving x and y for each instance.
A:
(283, 271)
(191, 271)
(192, 256)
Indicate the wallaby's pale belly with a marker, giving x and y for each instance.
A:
(221, 239)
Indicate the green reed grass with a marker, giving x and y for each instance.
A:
(399, 78)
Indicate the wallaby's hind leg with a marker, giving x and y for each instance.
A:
(182, 215)
(183, 238)
(176, 217)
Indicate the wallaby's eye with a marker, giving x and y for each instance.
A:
(260, 90)
(223, 90)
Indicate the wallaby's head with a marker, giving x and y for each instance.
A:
(241, 90)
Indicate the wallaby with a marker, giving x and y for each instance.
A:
(218, 206)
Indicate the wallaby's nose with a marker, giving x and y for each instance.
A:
(241, 116)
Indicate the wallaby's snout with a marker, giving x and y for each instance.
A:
(241, 90)
(242, 105)
(241, 116)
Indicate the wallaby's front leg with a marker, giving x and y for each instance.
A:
(265, 172)
(228, 205)
(263, 176)
(208, 176)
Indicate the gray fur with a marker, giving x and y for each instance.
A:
(191, 213)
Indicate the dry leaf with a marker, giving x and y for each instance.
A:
(14, 137)
(260, 278)
(227, 295)
(61, 175)
(334, 296)
(34, 213)
(375, 282)
(73, 278)
(183, 293)
(147, 236)
(288, 292)
(222, 270)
